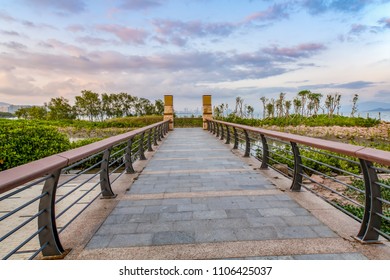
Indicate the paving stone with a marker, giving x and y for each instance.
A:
(154, 227)
(122, 228)
(178, 216)
(211, 214)
(266, 221)
(282, 212)
(99, 241)
(296, 232)
(216, 235)
(302, 221)
(130, 240)
(173, 237)
(253, 233)
(323, 231)
(160, 209)
(128, 210)
(191, 207)
(242, 213)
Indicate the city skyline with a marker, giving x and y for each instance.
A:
(190, 48)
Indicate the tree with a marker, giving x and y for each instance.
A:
(271, 109)
(22, 113)
(264, 101)
(238, 110)
(249, 111)
(297, 105)
(287, 107)
(332, 102)
(354, 105)
(279, 105)
(303, 94)
(159, 107)
(89, 105)
(60, 109)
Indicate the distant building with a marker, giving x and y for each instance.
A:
(12, 108)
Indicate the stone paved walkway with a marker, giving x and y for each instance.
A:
(196, 199)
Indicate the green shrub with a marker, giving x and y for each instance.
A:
(22, 142)
(188, 122)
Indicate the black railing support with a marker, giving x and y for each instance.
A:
(155, 136)
(371, 222)
(161, 131)
(48, 237)
(150, 149)
(128, 160)
(217, 125)
(247, 144)
(265, 159)
(105, 183)
(222, 132)
(227, 135)
(297, 177)
(141, 147)
(235, 147)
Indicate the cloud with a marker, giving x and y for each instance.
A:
(355, 85)
(275, 12)
(6, 17)
(14, 45)
(140, 4)
(75, 28)
(385, 22)
(357, 29)
(125, 34)
(299, 51)
(178, 32)
(351, 85)
(344, 6)
(93, 41)
(68, 6)
(10, 33)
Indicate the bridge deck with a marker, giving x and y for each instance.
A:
(196, 199)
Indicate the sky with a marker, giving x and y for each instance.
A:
(187, 48)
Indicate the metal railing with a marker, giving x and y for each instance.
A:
(39, 200)
(354, 179)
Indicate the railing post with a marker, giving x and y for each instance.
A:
(217, 124)
(373, 205)
(158, 133)
(227, 135)
(48, 236)
(235, 147)
(105, 183)
(222, 133)
(128, 161)
(264, 160)
(247, 144)
(150, 149)
(161, 127)
(297, 179)
(155, 136)
(141, 147)
(214, 127)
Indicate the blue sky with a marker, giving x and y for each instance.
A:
(148, 48)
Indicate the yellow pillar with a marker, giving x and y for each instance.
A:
(207, 109)
(168, 110)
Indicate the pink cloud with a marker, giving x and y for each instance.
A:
(277, 11)
(125, 34)
(302, 50)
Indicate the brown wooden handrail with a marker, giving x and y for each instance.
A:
(22, 174)
(379, 156)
